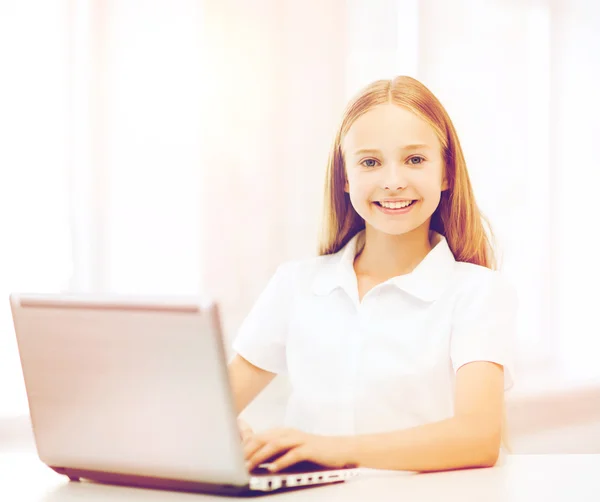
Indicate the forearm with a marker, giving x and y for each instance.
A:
(247, 381)
(449, 444)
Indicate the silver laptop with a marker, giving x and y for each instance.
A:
(135, 391)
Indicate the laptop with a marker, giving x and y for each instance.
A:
(135, 391)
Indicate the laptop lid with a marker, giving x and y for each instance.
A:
(132, 385)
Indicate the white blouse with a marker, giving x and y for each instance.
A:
(389, 361)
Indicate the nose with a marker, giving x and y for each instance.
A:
(394, 177)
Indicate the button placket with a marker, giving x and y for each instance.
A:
(368, 309)
(359, 337)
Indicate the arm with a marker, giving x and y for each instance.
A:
(480, 352)
(262, 339)
(471, 438)
(247, 381)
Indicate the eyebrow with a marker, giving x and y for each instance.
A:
(405, 147)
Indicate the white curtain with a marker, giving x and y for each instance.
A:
(179, 146)
(35, 249)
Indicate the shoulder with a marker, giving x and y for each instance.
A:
(302, 273)
(476, 284)
(311, 265)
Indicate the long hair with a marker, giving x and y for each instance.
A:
(457, 216)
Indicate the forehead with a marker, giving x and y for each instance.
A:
(388, 126)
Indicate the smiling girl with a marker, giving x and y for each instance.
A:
(397, 339)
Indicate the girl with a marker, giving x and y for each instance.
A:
(397, 338)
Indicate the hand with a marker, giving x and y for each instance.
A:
(246, 432)
(292, 446)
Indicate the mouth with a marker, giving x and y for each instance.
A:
(394, 208)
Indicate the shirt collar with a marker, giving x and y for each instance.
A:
(427, 281)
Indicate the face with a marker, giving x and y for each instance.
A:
(393, 158)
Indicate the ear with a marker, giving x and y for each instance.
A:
(346, 187)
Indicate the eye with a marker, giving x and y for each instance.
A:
(416, 163)
(369, 163)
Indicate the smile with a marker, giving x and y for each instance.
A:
(395, 208)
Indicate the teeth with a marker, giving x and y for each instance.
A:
(395, 205)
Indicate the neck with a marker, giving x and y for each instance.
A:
(385, 256)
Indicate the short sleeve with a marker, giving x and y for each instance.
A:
(261, 338)
(484, 326)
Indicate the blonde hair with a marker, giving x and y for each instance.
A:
(457, 216)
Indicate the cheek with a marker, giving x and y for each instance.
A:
(428, 184)
(360, 196)
(360, 186)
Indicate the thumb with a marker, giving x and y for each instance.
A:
(245, 429)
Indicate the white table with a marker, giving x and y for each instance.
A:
(526, 478)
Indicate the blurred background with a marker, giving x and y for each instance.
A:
(179, 147)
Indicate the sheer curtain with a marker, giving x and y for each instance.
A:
(35, 254)
(179, 146)
(575, 108)
(517, 80)
(489, 63)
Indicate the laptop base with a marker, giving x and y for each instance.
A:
(136, 481)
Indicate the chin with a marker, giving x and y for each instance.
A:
(393, 229)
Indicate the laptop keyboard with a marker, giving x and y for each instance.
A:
(300, 467)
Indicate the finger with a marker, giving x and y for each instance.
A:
(242, 424)
(244, 427)
(279, 439)
(273, 435)
(262, 455)
(269, 450)
(245, 431)
(252, 446)
(246, 436)
(292, 457)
